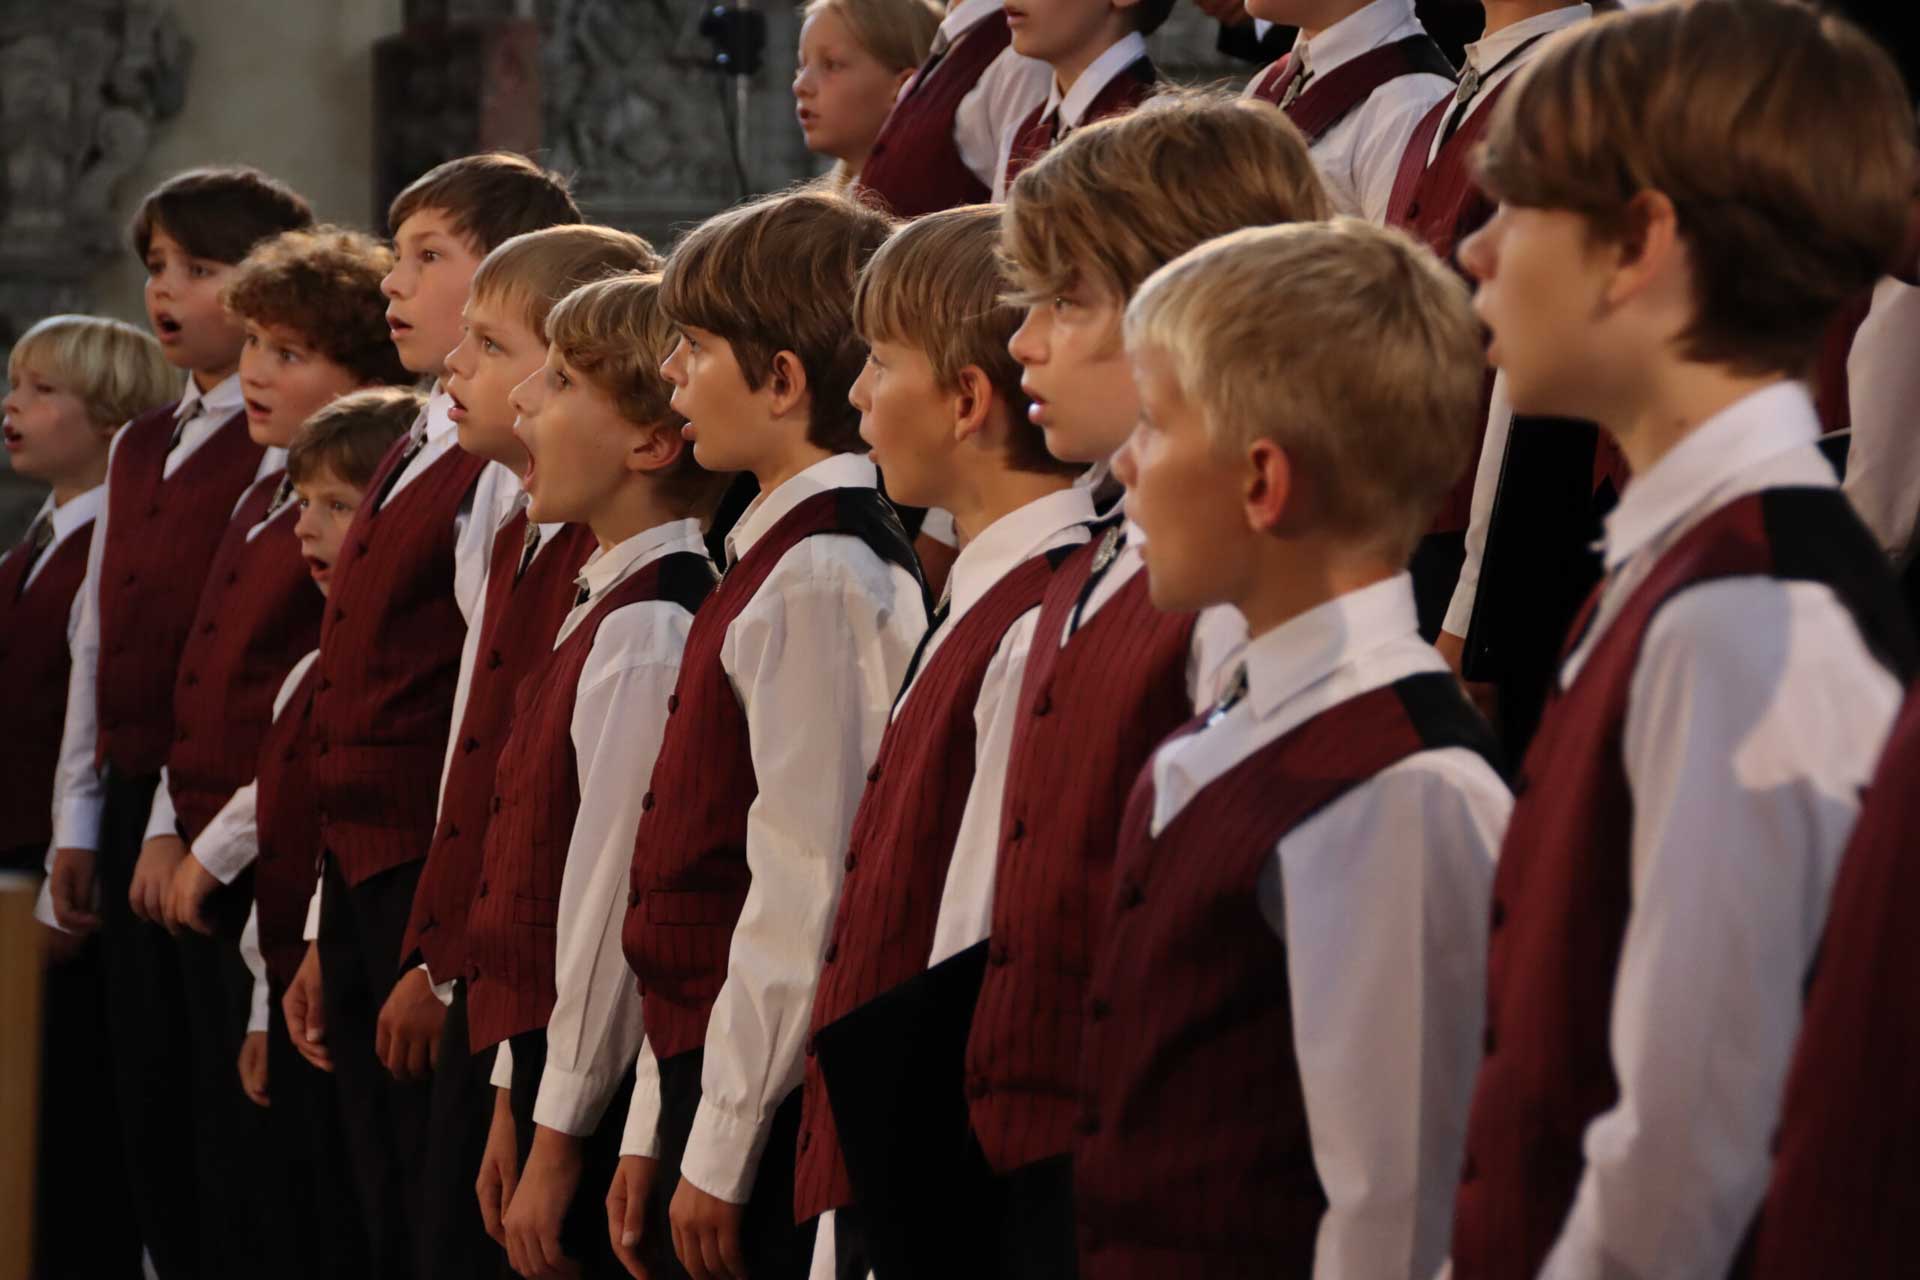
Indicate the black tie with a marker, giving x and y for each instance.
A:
(415, 443)
(529, 548)
(1111, 544)
(280, 497)
(38, 539)
(934, 623)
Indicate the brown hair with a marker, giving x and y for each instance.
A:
(536, 269)
(117, 371)
(1783, 137)
(1368, 378)
(1120, 197)
(935, 285)
(217, 213)
(613, 333)
(350, 435)
(778, 274)
(324, 284)
(489, 198)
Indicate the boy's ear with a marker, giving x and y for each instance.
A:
(787, 384)
(655, 448)
(1270, 492)
(972, 403)
(1647, 247)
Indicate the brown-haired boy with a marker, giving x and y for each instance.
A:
(1298, 911)
(606, 455)
(1097, 50)
(1109, 676)
(408, 585)
(174, 477)
(269, 824)
(941, 405)
(789, 670)
(1659, 897)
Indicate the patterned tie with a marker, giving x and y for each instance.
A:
(1296, 85)
(281, 497)
(1235, 694)
(180, 424)
(39, 538)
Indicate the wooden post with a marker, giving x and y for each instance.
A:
(20, 984)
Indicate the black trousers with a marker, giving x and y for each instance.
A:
(1037, 1240)
(307, 1175)
(583, 1233)
(385, 1121)
(460, 1107)
(775, 1248)
(152, 1051)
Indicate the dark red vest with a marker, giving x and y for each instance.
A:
(161, 537)
(259, 614)
(389, 658)
(287, 819)
(690, 876)
(516, 907)
(1561, 890)
(1132, 86)
(1091, 713)
(1331, 98)
(34, 665)
(1846, 1169)
(1174, 1173)
(903, 837)
(516, 633)
(915, 165)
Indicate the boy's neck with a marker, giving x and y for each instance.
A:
(978, 502)
(633, 510)
(208, 379)
(1335, 13)
(1296, 578)
(67, 488)
(1505, 13)
(1071, 66)
(1678, 400)
(774, 472)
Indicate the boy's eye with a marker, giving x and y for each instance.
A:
(155, 267)
(489, 345)
(303, 503)
(289, 356)
(429, 255)
(340, 508)
(198, 272)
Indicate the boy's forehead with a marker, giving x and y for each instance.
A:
(321, 481)
(430, 221)
(500, 309)
(278, 331)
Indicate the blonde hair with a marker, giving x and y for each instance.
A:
(1784, 138)
(778, 274)
(935, 286)
(898, 33)
(1368, 377)
(534, 270)
(117, 371)
(1120, 197)
(614, 334)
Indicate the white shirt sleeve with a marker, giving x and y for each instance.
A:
(1382, 127)
(641, 1137)
(1382, 900)
(77, 784)
(1011, 87)
(502, 1076)
(474, 525)
(1486, 487)
(162, 820)
(823, 645)
(966, 903)
(1755, 717)
(1883, 385)
(257, 966)
(231, 841)
(619, 718)
(311, 930)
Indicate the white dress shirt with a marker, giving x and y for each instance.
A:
(81, 791)
(1011, 86)
(1070, 105)
(1755, 716)
(1359, 157)
(1381, 898)
(1497, 55)
(619, 717)
(1883, 385)
(231, 841)
(815, 658)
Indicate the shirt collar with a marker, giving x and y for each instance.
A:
(1011, 541)
(1695, 475)
(965, 16)
(841, 471)
(220, 402)
(1486, 54)
(73, 513)
(1359, 32)
(608, 567)
(1072, 105)
(1302, 652)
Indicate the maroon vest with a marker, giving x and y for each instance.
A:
(903, 837)
(1174, 1174)
(1036, 135)
(34, 665)
(915, 165)
(1561, 892)
(389, 658)
(259, 614)
(1846, 1169)
(161, 536)
(1331, 98)
(287, 819)
(516, 907)
(1091, 713)
(689, 879)
(516, 633)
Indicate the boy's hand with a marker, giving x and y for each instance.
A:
(191, 886)
(153, 877)
(499, 1168)
(306, 1015)
(407, 1037)
(532, 1222)
(72, 889)
(706, 1234)
(253, 1067)
(627, 1210)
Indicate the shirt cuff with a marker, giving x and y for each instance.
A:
(224, 860)
(723, 1154)
(161, 818)
(642, 1134)
(442, 991)
(1460, 608)
(43, 907)
(502, 1077)
(572, 1102)
(312, 929)
(77, 825)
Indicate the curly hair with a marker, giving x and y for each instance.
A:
(324, 284)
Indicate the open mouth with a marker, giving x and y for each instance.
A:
(12, 437)
(456, 407)
(317, 567)
(166, 327)
(396, 326)
(1037, 409)
(257, 410)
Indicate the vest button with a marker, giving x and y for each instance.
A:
(1499, 913)
(482, 890)
(996, 954)
(290, 755)
(179, 735)
(1413, 209)
(806, 1140)
(1019, 829)
(673, 703)
(1520, 784)
(325, 684)
(811, 1050)
(1489, 1041)
(493, 660)
(321, 749)
(472, 745)
(1044, 704)
(206, 628)
(978, 1088)
(191, 680)
(339, 615)
(1130, 895)
(1100, 1009)
(473, 973)
(131, 579)
(1088, 1124)
(1469, 1171)
(153, 509)
(453, 832)
(363, 546)
(646, 802)
(232, 577)
(832, 953)
(496, 804)
(873, 774)
(850, 862)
